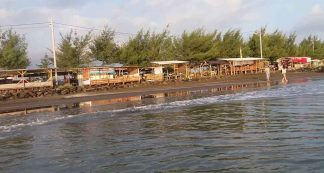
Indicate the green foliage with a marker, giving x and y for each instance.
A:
(104, 48)
(13, 50)
(275, 45)
(198, 45)
(231, 43)
(291, 45)
(306, 46)
(46, 61)
(146, 47)
(311, 46)
(73, 50)
(254, 43)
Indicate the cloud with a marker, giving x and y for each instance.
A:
(66, 3)
(220, 14)
(317, 9)
(129, 16)
(4, 13)
(311, 23)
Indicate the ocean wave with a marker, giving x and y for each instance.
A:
(315, 87)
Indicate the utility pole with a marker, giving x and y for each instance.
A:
(53, 50)
(313, 44)
(241, 55)
(261, 43)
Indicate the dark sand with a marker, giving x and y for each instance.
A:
(11, 105)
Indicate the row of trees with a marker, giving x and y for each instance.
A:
(80, 50)
(196, 46)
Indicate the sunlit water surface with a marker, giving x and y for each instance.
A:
(272, 129)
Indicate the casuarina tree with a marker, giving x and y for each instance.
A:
(104, 48)
(73, 51)
(13, 50)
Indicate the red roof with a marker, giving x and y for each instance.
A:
(299, 59)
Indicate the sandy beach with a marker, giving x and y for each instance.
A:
(11, 105)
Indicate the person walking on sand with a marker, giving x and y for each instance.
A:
(267, 72)
(284, 75)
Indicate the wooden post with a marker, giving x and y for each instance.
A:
(50, 76)
(22, 73)
(257, 66)
(210, 70)
(187, 76)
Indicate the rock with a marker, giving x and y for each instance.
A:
(39, 93)
(64, 92)
(2, 98)
(57, 90)
(79, 89)
(7, 94)
(22, 94)
(31, 94)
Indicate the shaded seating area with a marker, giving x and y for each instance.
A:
(152, 74)
(245, 65)
(173, 70)
(26, 78)
(108, 75)
(219, 67)
(212, 68)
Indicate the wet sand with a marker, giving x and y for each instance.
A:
(11, 105)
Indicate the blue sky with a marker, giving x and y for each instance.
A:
(300, 16)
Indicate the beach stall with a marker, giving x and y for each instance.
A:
(316, 63)
(25, 78)
(211, 68)
(173, 69)
(205, 69)
(199, 70)
(245, 65)
(108, 75)
(284, 62)
(220, 67)
(294, 62)
(152, 74)
(300, 62)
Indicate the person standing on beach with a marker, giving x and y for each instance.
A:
(267, 72)
(284, 75)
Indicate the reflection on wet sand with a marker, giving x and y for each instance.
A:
(156, 98)
(107, 102)
(30, 111)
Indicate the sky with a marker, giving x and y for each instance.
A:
(303, 17)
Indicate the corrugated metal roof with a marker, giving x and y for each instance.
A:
(169, 62)
(242, 59)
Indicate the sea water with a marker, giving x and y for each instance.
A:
(271, 129)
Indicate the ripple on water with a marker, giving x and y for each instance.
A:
(274, 130)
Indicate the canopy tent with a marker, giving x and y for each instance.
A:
(302, 60)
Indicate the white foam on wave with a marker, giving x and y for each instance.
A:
(287, 91)
(316, 87)
(8, 128)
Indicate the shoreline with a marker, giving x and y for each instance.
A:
(13, 105)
